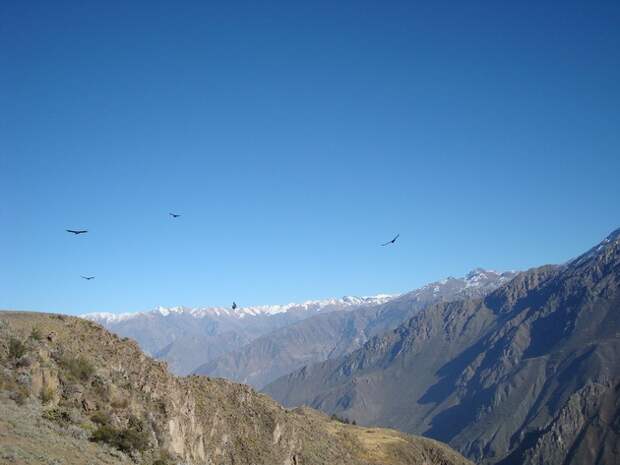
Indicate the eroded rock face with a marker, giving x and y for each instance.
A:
(45, 382)
(106, 389)
(587, 413)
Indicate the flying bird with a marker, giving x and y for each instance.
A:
(87, 278)
(174, 215)
(77, 231)
(392, 241)
(234, 306)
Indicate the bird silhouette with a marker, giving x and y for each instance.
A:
(77, 231)
(87, 278)
(174, 215)
(392, 241)
(234, 306)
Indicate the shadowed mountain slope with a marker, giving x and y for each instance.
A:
(528, 375)
(71, 392)
(332, 334)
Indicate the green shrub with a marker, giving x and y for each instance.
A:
(35, 334)
(17, 348)
(57, 415)
(105, 433)
(340, 419)
(132, 438)
(78, 368)
(100, 418)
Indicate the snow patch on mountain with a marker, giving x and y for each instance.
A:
(241, 312)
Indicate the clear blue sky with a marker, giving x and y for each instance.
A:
(294, 137)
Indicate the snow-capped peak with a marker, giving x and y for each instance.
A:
(480, 276)
(476, 280)
(242, 312)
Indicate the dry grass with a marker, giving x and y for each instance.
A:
(233, 423)
(26, 440)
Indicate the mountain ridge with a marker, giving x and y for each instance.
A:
(188, 337)
(331, 334)
(240, 312)
(499, 378)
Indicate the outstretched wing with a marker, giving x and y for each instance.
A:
(392, 241)
(76, 231)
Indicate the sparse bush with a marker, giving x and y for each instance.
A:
(100, 418)
(9, 454)
(119, 404)
(105, 433)
(57, 415)
(7, 382)
(340, 419)
(77, 432)
(20, 394)
(132, 438)
(23, 361)
(24, 378)
(78, 368)
(101, 387)
(47, 395)
(17, 348)
(164, 458)
(160, 405)
(35, 334)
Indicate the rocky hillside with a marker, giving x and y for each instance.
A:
(528, 375)
(332, 334)
(187, 337)
(73, 393)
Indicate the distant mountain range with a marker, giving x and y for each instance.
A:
(256, 345)
(529, 374)
(189, 337)
(331, 334)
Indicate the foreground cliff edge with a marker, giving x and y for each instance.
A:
(73, 393)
